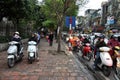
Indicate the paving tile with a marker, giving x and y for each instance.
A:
(49, 66)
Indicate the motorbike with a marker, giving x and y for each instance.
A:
(87, 51)
(105, 61)
(78, 46)
(116, 60)
(13, 54)
(32, 51)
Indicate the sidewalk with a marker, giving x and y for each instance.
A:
(51, 66)
(59, 66)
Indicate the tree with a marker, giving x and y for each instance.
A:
(16, 10)
(57, 10)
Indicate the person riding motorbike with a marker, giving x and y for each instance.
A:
(86, 48)
(34, 38)
(74, 42)
(38, 37)
(112, 43)
(16, 37)
(99, 43)
(85, 40)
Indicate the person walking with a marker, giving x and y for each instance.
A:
(51, 38)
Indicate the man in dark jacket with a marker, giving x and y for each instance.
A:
(51, 36)
(99, 43)
(33, 38)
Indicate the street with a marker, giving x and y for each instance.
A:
(96, 73)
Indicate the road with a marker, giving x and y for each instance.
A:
(97, 74)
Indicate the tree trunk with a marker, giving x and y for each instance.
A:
(7, 29)
(15, 25)
(59, 36)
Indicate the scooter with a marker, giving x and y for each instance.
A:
(106, 62)
(116, 60)
(78, 46)
(32, 51)
(87, 51)
(13, 54)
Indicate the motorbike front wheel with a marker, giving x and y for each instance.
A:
(106, 70)
(11, 62)
(30, 60)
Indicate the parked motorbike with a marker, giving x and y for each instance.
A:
(32, 51)
(87, 51)
(13, 54)
(106, 62)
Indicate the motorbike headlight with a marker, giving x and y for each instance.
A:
(31, 54)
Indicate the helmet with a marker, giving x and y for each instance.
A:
(17, 32)
(114, 36)
(110, 31)
(101, 37)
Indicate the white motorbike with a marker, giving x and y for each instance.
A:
(32, 51)
(106, 62)
(13, 54)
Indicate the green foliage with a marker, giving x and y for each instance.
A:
(16, 10)
(12, 8)
(49, 24)
(58, 9)
(3, 39)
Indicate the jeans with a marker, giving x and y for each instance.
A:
(97, 58)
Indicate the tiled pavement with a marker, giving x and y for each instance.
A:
(49, 67)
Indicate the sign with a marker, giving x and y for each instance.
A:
(110, 20)
(70, 20)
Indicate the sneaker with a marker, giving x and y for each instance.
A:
(94, 67)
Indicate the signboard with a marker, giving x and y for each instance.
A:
(70, 20)
(110, 20)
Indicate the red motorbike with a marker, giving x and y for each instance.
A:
(87, 51)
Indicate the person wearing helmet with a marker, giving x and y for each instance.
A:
(112, 43)
(16, 37)
(85, 40)
(99, 43)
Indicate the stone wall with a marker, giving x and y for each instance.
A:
(4, 46)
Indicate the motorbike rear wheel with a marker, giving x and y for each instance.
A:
(11, 62)
(89, 56)
(30, 61)
(106, 70)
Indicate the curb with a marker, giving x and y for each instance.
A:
(80, 65)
